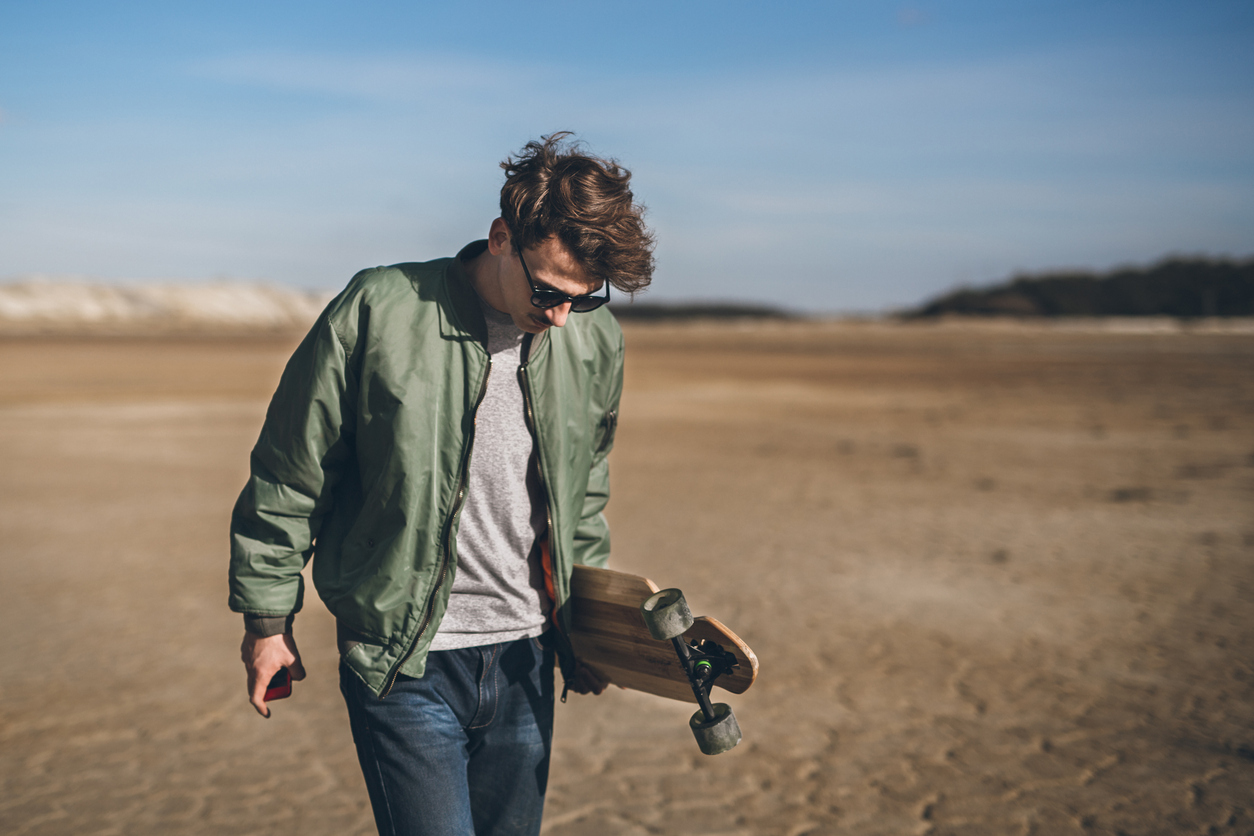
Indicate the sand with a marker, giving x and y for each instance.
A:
(999, 580)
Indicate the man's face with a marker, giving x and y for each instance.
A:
(551, 266)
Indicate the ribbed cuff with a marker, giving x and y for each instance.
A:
(268, 625)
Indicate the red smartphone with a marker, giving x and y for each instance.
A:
(280, 685)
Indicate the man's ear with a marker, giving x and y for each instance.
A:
(498, 237)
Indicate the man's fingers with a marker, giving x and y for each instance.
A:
(591, 684)
(292, 663)
(599, 680)
(589, 680)
(257, 693)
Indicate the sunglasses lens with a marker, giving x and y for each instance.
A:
(547, 298)
(583, 304)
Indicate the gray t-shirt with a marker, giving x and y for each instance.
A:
(498, 590)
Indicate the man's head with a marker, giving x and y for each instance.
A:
(553, 190)
(568, 227)
(508, 283)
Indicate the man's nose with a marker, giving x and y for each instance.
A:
(559, 313)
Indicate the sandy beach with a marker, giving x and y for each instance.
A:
(1000, 580)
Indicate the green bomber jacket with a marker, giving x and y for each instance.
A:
(361, 462)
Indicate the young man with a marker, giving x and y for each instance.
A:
(437, 444)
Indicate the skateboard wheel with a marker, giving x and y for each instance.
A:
(666, 614)
(718, 735)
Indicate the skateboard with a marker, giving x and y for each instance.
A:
(645, 638)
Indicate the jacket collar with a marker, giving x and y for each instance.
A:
(461, 316)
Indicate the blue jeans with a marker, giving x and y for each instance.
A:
(463, 750)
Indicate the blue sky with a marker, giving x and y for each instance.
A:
(824, 156)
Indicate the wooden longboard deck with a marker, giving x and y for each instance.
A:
(609, 634)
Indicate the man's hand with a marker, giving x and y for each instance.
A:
(587, 679)
(263, 657)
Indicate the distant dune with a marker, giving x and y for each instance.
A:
(671, 311)
(1175, 287)
(41, 305)
(83, 306)
(44, 305)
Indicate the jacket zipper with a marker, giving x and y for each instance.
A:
(531, 425)
(539, 454)
(544, 488)
(448, 537)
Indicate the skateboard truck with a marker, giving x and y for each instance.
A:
(667, 616)
(703, 662)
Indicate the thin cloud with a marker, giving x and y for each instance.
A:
(396, 78)
(911, 16)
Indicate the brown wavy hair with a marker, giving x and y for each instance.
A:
(554, 188)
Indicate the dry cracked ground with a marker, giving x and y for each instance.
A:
(1000, 580)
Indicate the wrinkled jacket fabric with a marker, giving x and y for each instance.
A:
(361, 463)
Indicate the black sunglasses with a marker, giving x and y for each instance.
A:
(547, 297)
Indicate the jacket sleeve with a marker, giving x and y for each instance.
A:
(592, 537)
(304, 447)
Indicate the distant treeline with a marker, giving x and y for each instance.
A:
(1182, 287)
(654, 311)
